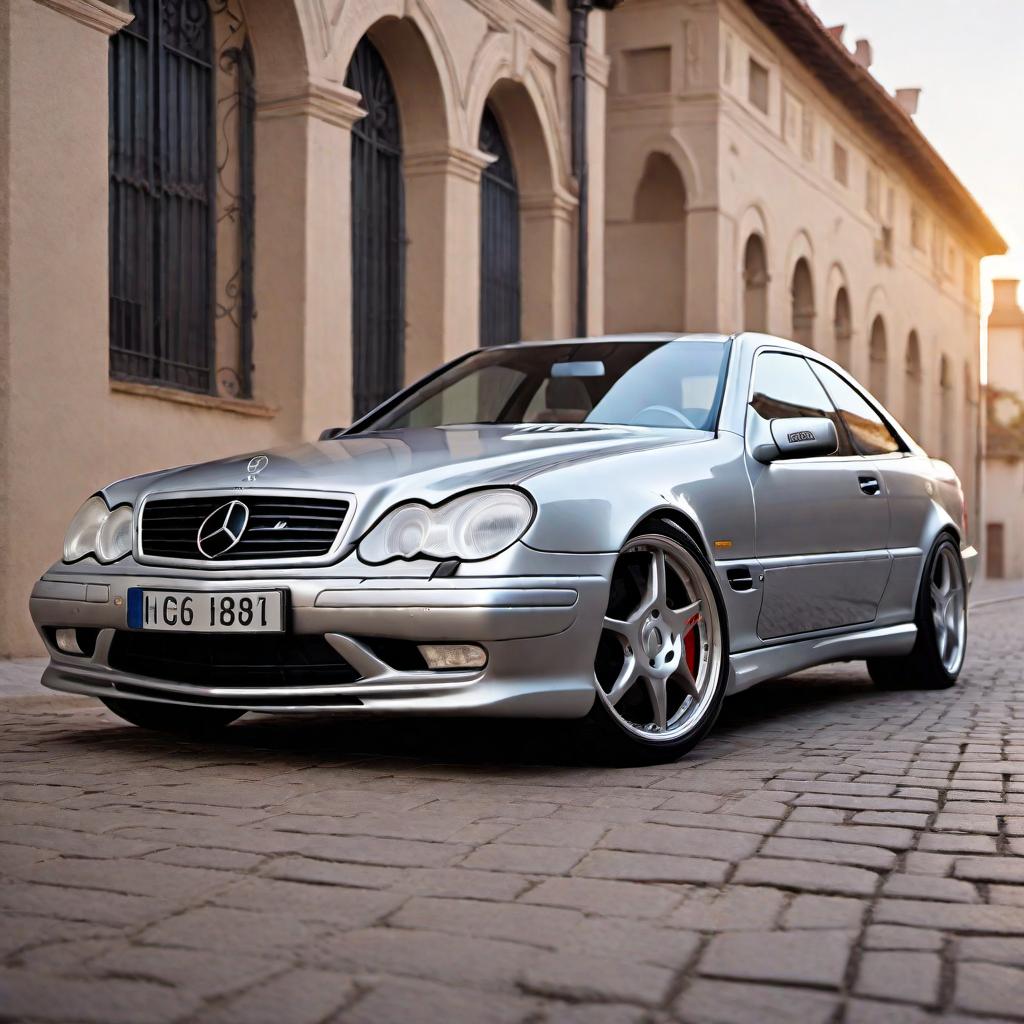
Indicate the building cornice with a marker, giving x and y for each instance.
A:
(104, 17)
(853, 85)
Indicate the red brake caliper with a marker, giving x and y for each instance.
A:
(690, 646)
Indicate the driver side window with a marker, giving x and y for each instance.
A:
(785, 386)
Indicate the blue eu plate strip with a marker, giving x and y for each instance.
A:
(135, 607)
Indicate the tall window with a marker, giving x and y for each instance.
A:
(499, 239)
(180, 137)
(378, 235)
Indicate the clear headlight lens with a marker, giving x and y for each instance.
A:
(471, 526)
(114, 539)
(80, 540)
(96, 530)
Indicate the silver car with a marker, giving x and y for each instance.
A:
(619, 530)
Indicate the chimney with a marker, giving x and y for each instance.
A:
(862, 53)
(1005, 310)
(836, 32)
(906, 100)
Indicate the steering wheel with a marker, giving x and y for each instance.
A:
(666, 410)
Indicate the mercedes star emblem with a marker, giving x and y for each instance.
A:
(222, 529)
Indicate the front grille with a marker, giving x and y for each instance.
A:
(231, 660)
(170, 527)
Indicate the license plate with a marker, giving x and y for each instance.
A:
(204, 611)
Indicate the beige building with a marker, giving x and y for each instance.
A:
(231, 224)
(1004, 448)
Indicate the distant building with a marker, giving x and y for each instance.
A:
(1004, 449)
(234, 223)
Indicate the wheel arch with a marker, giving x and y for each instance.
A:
(669, 519)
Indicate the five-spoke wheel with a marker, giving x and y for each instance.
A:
(941, 619)
(661, 660)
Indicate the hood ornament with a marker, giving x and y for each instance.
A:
(257, 464)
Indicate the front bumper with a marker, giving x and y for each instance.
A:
(540, 633)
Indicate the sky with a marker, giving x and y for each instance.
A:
(967, 56)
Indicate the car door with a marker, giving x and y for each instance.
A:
(821, 524)
(906, 478)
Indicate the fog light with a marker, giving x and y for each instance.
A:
(453, 655)
(67, 641)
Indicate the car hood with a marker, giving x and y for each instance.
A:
(385, 467)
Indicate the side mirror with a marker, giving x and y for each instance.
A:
(801, 437)
(331, 433)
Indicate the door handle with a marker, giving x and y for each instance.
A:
(869, 485)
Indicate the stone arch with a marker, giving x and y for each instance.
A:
(755, 283)
(628, 168)
(282, 52)
(878, 359)
(645, 285)
(913, 393)
(802, 303)
(418, 60)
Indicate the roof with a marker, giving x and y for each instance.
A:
(800, 29)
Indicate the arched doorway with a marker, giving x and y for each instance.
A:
(500, 283)
(755, 285)
(646, 255)
(912, 389)
(879, 359)
(842, 327)
(802, 292)
(378, 234)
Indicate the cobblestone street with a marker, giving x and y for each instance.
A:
(832, 853)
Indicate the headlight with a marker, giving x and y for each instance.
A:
(471, 526)
(114, 539)
(96, 530)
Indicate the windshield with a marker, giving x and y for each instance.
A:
(637, 383)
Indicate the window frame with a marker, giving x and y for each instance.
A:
(841, 431)
(872, 403)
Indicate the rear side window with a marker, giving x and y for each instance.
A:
(784, 386)
(868, 431)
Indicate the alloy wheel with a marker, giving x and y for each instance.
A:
(660, 652)
(949, 606)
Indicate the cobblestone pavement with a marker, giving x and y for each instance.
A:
(830, 854)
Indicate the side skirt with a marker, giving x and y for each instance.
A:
(747, 668)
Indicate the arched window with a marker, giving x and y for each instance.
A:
(180, 219)
(912, 395)
(878, 351)
(500, 289)
(947, 414)
(802, 291)
(378, 235)
(842, 327)
(755, 285)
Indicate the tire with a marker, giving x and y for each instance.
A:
(935, 661)
(662, 661)
(171, 718)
